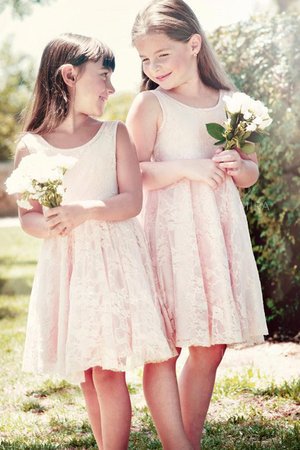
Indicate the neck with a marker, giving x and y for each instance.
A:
(73, 123)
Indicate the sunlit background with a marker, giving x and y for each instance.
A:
(111, 22)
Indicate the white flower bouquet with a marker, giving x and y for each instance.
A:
(246, 120)
(39, 177)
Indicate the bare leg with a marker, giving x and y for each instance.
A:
(115, 408)
(196, 386)
(92, 406)
(161, 393)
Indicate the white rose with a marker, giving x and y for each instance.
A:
(24, 204)
(238, 102)
(251, 127)
(265, 123)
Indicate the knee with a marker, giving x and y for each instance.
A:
(208, 357)
(101, 376)
(169, 365)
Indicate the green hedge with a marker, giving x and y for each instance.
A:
(262, 56)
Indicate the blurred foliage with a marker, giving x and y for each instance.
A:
(262, 56)
(287, 5)
(118, 106)
(15, 88)
(21, 8)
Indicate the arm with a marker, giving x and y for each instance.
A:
(143, 121)
(127, 203)
(243, 168)
(32, 221)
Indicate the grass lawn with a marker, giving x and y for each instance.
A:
(248, 411)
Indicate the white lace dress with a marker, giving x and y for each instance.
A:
(199, 240)
(93, 300)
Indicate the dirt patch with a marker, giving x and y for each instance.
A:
(278, 361)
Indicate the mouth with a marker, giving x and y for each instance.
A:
(163, 77)
(103, 99)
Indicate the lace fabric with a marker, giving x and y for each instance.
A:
(93, 301)
(199, 241)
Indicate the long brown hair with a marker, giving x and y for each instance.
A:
(177, 20)
(50, 103)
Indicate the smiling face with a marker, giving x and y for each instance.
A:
(93, 86)
(167, 62)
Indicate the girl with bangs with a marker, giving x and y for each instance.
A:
(93, 311)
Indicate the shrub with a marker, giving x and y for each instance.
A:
(262, 56)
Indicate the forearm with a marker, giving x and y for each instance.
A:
(120, 207)
(34, 223)
(159, 174)
(247, 175)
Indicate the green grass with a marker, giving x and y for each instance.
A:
(248, 411)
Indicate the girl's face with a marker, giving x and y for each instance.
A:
(93, 86)
(167, 62)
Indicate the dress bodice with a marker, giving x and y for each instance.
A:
(183, 133)
(93, 177)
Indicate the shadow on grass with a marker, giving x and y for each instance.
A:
(10, 261)
(235, 434)
(239, 433)
(7, 313)
(15, 286)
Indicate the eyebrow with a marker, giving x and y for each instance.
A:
(158, 51)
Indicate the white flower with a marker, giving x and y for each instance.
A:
(37, 176)
(251, 127)
(24, 204)
(247, 115)
(244, 116)
(60, 190)
(238, 102)
(265, 123)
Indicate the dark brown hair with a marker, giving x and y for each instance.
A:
(50, 103)
(177, 20)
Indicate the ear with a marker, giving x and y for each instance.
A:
(69, 74)
(195, 44)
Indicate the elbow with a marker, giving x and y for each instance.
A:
(138, 203)
(135, 205)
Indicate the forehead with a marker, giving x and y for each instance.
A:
(154, 42)
(95, 66)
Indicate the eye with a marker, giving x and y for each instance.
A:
(162, 55)
(104, 75)
(144, 60)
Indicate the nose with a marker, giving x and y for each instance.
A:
(154, 66)
(110, 88)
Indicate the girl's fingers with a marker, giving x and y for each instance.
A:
(230, 165)
(51, 212)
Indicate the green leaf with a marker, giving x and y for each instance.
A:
(248, 147)
(255, 137)
(215, 130)
(222, 141)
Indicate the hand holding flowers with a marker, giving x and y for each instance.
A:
(39, 177)
(246, 120)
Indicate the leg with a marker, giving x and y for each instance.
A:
(196, 386)
(92, 406)
(161, 393)
(115, 408)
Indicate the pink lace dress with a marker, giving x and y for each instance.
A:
(93, 300)
(199, 240)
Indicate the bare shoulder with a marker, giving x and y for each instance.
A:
(145, 104)
(21, 152)
(122, 132)
(124, 142)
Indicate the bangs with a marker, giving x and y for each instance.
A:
(90, 49)
(109, 60)
(97, 50)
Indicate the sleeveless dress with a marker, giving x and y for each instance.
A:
(199, 240)
(93, 301)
